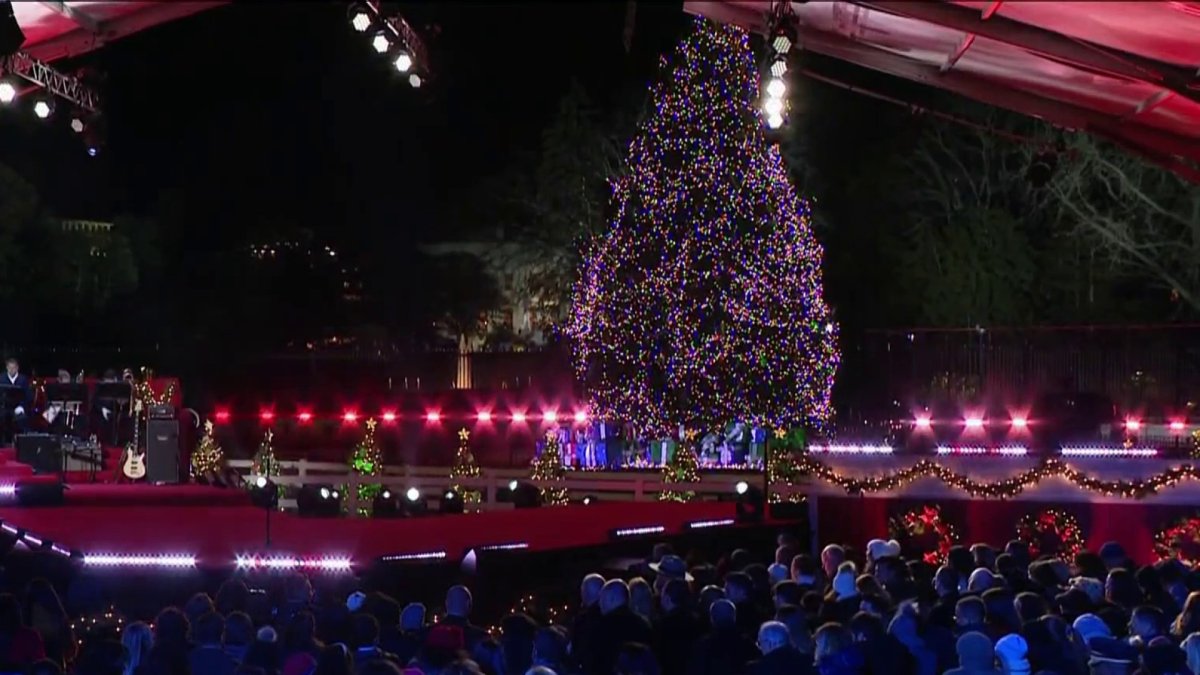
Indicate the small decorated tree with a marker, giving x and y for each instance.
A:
(465, 467)
(367, 460)
(681, 467)
(548, 466)
(781, 465)
(208, 459)
(264, 462)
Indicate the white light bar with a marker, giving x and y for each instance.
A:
(853, 449)
(166, 560)
(1108, 452)
(635, 531)
(1008, 451)
(705, 524)
(427, 555)
(515, 546)
(328, 564)
(8, 490)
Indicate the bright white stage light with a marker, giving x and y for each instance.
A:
(413, 494)
(512, 485)
(41, 109)
(773, 106)
(387, 494)
(741, 487)
(324, 493)
(403, 62)
(260, 482)
(77, 125)
(176, 561)
(775, 121)
(8, 93)
(973, 422)
(381, 43)
(779, 67)
(415, 81)
(776, 87)
(361, 20)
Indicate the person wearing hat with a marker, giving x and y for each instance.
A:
(676, 627)
(1013, 653)
(671, 566)
(1110, 656)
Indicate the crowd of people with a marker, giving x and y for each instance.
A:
(982, 612)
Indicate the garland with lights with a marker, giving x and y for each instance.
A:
(1004, 488)
(1051, 532)
(1180, 541)
(1195, 452)
(465, 467)
(921, 523)
(95, 628)
(548, 466)
(367, 460)
(702, 300)
(681, 467)
(208, 459)
(781, 466)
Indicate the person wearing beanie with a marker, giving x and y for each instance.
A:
(843, 601)
(1012, 652)
(1111, 656)
(976, 655)
(1089, 627)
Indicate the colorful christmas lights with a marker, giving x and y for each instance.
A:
(702, 302)
(681, 467)
(366, 460)
(1180, 540)
(921, 523)
(208, 458)
(1051, 532)
(465, 467)
(548, 466)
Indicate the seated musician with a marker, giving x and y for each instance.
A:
(15, 407)
(64, 412)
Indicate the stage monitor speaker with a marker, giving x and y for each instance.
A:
(41, 451)
(162, 451)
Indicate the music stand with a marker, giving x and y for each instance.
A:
(10, 399)
(118, 395)
(70, 396)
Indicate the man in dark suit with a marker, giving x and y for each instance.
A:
(17, 402)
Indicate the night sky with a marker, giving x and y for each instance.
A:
(280, 114)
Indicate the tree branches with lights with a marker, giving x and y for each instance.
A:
(702, 300)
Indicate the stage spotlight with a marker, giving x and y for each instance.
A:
(318, 501)
(386, 505)
(518, 417)
(1019, 422)
(923, 422)
(779, 67)
(8, 93)
(264, 494)
(350, 417)
(581, 417)
(42, 109)
(266, 416)
(742, 487)
(775, 121)
(784, 39)
(588, 500)
(221, 416)
(403, 62)
(381, 43)
(433, 417)
(750, 503)
(512, 485)
(1133, 424)
(1177, 426)
(973, 422)
(550, 416)
(773, 106)
(360, 18)
(388, 417)
(413, 494)
(526, 496)
(451, 502)
(304, 417)
(414, 503)
(414, 81)
(77, 125)
(776, 88)
(483, 416)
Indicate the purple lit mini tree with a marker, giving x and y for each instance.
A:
(702, 301)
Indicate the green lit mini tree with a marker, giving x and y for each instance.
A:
(681, 467)
(367, 460)
(548, 466)
(701, 302)
(465, 467)
(208, 458)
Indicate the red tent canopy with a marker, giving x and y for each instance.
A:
(55, 30)
(1127, 71)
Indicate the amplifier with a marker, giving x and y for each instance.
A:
(161, 412)
(41, 451)
(162, 451)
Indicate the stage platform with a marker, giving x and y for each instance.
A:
(185, 526)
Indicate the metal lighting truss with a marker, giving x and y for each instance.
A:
(43, 75)
(400, 29)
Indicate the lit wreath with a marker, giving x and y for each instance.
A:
(920, 523)
(1180, 541)
(1051, 532)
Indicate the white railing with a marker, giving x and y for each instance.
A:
(433, 481)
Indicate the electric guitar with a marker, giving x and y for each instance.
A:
(133, 464)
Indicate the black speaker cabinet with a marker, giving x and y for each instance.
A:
(162, 451)
(41, 451)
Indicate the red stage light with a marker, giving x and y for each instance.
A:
(580, 416)
(221, 416)
(304, 417)
(974, 422)
(1019, 423)
(550, 415)
(388, 416)
(923, 422)
(484, 416)
(433, 416)
(350, 417)
(1177, 425)
(267, 416)
(518, 417)
(1132, 424)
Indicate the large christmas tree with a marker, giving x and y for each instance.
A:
(702, 302)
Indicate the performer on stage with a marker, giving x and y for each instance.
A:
(16, 400)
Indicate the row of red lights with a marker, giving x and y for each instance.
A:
(268, 416)
(1018, 422)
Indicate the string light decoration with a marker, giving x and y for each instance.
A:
(208, 458)
(367, 460)
(1180, 540)
(782, 467)
(1004, 488)
(548, 466)
(681, 467)
(701, 302)
(1195, 452)
(1051, 532)
(921, 523)
(465, 467)
(143, 391)
(98, 627)
(264, 463)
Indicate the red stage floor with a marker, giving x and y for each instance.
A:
(215, 528)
